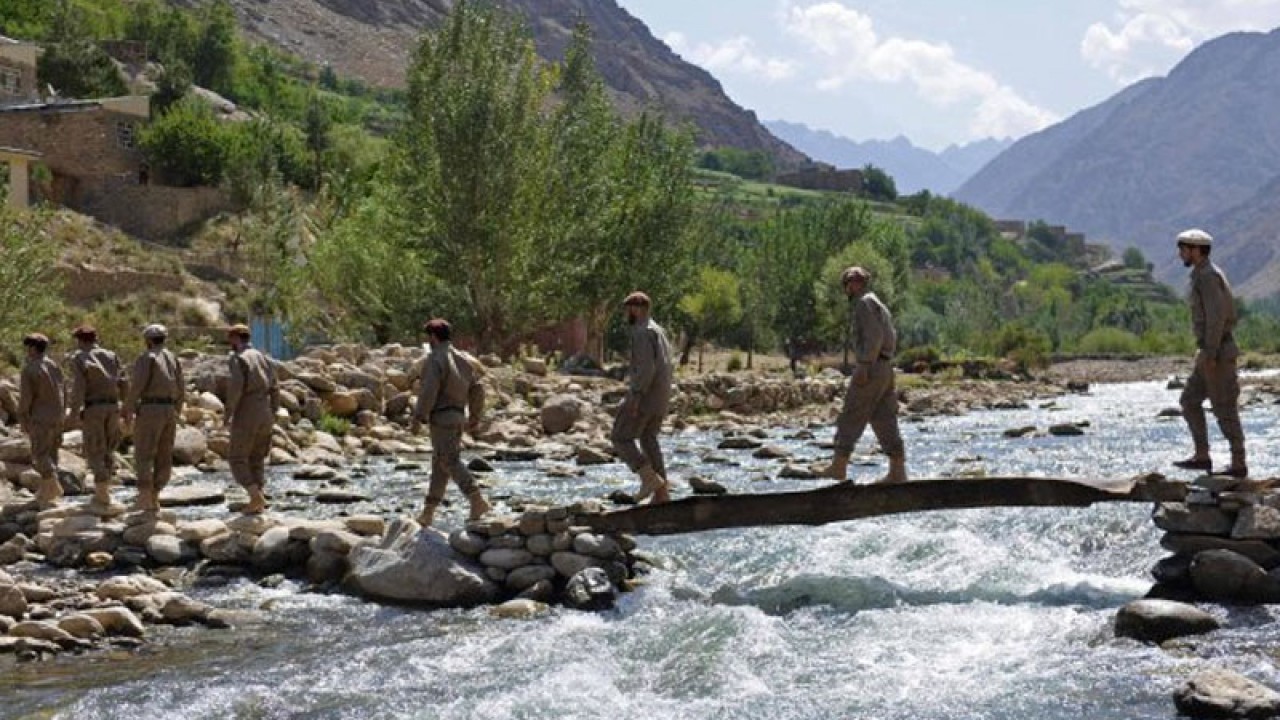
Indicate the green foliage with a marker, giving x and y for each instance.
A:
(1109, 341)
(214, 56)
(714, 305)
(1026, 346)
(173, 85)
(333, 425)
(29, 285)
(187, 144)
(878, 184)
(77, 68)
(735, 363)
(1134, 259)
(749, 164)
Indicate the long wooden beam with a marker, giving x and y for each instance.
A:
(846, 501)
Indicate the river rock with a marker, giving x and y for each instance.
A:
(797, 472)
(326, 567)
(42, 630)
(1154, 621)
(590, 589)
(468, 543)
(587, 455)
(228, 548)
(569, 564)
(271, 551)
(336, 542)
(127, 586)
(523, 578)
(703, 486)
(181, 610)
(1194, 519)
(117, 621)
(81, 626)
(12, 602)
(140, 533)
(192, 495)
(189, 446)
(366, 525)
(1256, 550)
(1257, 522)
(1065, 430)
(505, 558)
(418, 567)
(593, 545)
(519, 609)
(165, 549)
(1221, 693)
(1229, 577)
(559, 412)
(739, 442)
(197, 531)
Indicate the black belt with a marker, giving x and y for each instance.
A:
(156, 401)
(101, 401)
(443, 409)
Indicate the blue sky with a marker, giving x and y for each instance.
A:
(937, 71)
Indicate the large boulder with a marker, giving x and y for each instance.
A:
(559, 413)
(1155, 621)
(1219, 693)
(418, 567)
(189, 446)
(1229, 577)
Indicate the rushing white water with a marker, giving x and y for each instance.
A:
(974, 614)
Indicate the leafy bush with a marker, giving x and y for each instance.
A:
(1026, 346)
(1110, 340)
(333, 425)
(912, 356)
(187, 144)
(735, 363)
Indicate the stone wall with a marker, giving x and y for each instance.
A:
(84, 285)
(76, 139)
(151, 212)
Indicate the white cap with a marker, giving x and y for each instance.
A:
(1195, 236)
(155, 331)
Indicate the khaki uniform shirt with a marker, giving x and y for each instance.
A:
(252, 376)
(873, 335)
(40, 397)
(450, 383)
(157, 375)
(1213, 312)
(96, 376)
(650, 368)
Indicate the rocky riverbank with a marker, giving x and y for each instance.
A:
(348, 405)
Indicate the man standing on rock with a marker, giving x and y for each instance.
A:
(97, 383)
(157, 391)
(40, 410)
(252, 399)
(450, 398)
(1213, 318)
(872, 396)
(649, 375)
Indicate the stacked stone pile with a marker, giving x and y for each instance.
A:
(1225, 540)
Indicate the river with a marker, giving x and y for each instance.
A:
(960, 615)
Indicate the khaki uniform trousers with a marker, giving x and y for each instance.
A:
(46, 439)
(1222, 389)
(635, 436)
(875, 403)
(101, 427)
(251, 442)
(153, 433)
(446, 462)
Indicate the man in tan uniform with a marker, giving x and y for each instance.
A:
(450, 397)
(649, 375)
(157, 391)
(872, 396)
(97, 384)
(40, 410)
(1213, 318)
(252, 399)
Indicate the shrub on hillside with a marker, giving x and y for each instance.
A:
(1028, 347)
(187, 144)
(1110, 341)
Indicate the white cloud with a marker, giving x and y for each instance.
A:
(735, 55)
(1147, 37)
(846, 39)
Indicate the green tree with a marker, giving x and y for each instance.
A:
(878, 184)
(317, 127)
(79, 69)
(173, 85)
(1134, 259)
(213, 62)
(187, 144)
(470, 161)
(29, 283)
(714, 307)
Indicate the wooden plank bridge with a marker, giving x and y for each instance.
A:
(847, 501)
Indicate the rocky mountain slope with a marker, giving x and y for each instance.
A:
(373, 40)
(1199, 147)
(913, 168)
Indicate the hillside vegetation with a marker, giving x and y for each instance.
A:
(509, 194)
